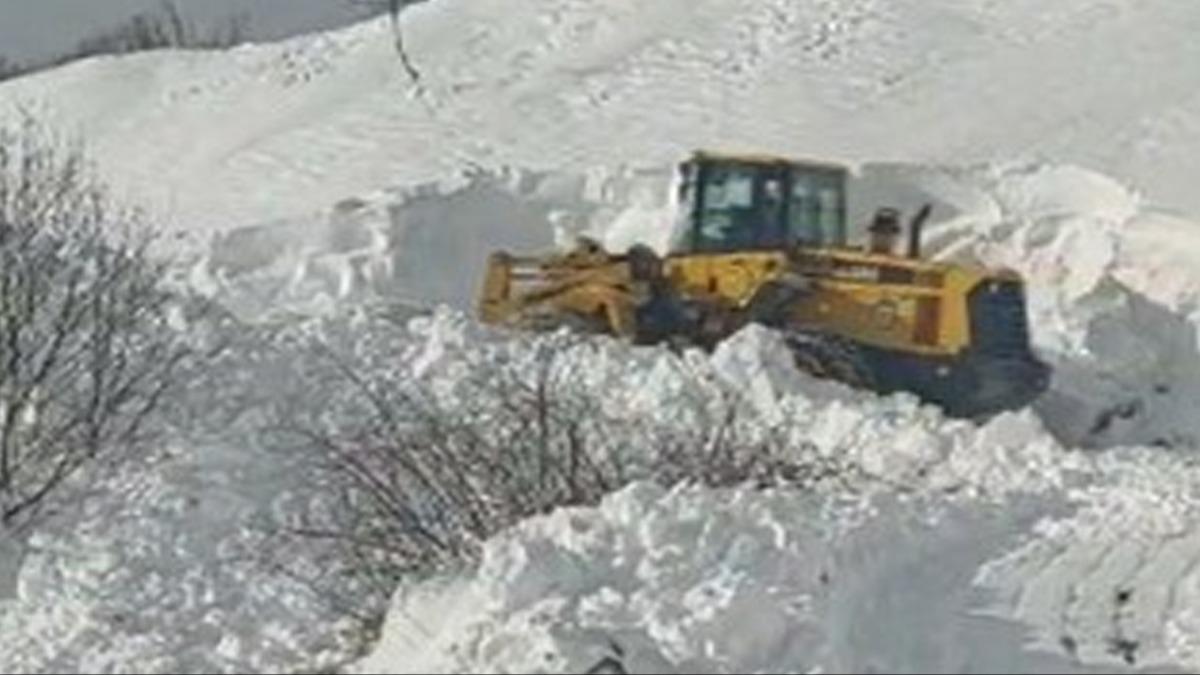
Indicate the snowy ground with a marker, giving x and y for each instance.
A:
(308, 176)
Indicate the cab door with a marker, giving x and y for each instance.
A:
(816, 208)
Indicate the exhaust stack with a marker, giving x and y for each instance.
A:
(914, 231)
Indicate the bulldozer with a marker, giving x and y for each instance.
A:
(763, 239)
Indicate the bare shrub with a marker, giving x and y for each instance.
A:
(394, 8)
(10, 69)
(86, 352)
(419, 476)
(163, 28)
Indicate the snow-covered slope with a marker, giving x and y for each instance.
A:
(306, 176)
(280, 130)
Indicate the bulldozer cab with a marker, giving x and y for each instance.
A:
(741, 203)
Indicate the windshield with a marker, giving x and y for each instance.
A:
(743, 206)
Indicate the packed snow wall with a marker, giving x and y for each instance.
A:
(1112, 282)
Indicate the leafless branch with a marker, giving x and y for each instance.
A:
(86, 353)
(415, 481)
(395, 9)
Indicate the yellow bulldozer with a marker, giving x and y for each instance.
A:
(765, 242)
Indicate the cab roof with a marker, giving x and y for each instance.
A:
(764, 159)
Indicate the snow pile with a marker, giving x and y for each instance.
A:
(1113, 305)
(159, 565)
(149, 577)
(1115, 581)
(428, 243)
(946, 529)
(699, 581)
(161, 571)
(894, 440)
(690, 580)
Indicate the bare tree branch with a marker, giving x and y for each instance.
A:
(412, 481)
(86, 353)
(395, 9)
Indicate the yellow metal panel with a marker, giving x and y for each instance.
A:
(849, 298)
(883, 316)
(730, 279)
(873, 299)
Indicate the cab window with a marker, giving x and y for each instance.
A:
(727, 219)
(815, 210)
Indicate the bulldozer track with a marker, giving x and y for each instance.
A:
(829, 357)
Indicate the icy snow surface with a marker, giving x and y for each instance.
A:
(309, 176)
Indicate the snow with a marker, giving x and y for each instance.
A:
(309, 178)
(292, 128)
(580, 579)
(949, 526)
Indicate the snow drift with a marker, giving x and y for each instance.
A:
(947, 530)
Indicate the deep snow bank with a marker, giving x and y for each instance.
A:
(427, 243)
(928, 558)
(1113, 288)
(688, 581)
(696, 581)
(1113, 283)
(932, 557)
(667, 583)
(158, 572)
(1115, 580)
